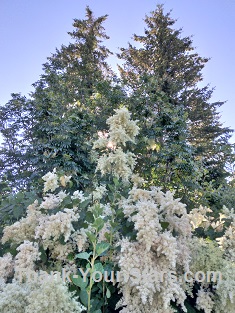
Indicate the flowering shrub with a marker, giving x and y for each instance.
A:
(118, 226)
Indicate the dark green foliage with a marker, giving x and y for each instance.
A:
(183, 143)
(71, 102)
(15, 127)
(187, 145)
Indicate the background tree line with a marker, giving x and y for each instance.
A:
(182, 143)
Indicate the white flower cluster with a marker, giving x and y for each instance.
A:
(204, 301)
(64, 180)
(6, 266)
(161, 207)
(41, 227)
(117, 162)
(59, 251)
(13, 297)
(25, 228)
(156, 215)
(36, 225)
(146, 221)
(79, 239)
(205, 256)
(51, 181)
(51, 227)
(52, 201)
(50, 296)
(225, 290)
(122, 128)
(137, 180)
(99, 192)
(78, 194)
(227, 241)
(229, 214)
(199, 217)
(47, 229)
(101, 143)
(27, 256)
(148, 292)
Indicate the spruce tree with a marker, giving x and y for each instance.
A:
(70, 98)
(162, 77)
(70, 103)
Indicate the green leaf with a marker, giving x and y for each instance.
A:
(67, 202)
(12, 249)
(101, 247)
(108, 293)
(91, 237)
(70, 256)
(164, 225)
(98, 224)
(89, 217)
(190, 308)
(96, 304)
(83, 255)
(97, 211)
(84, 297)
(111, 187)
(84, 204)
(78, 281)
(116, 181)
(43, 255)
(110, 197)
(18, 211)
(107, 236)
(99, 267)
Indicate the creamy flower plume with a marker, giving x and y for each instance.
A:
(156, 215)
(52, 201)
(6, 266)
(28, 254)
(51, 295)
(227, 241)
(121, 130)
(204, 301)
(53, 226)
(118, 163)
(25, 228)
(51, 181)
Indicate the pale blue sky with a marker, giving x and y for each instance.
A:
(30, 30)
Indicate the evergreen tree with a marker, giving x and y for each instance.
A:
(208, 136)
(15, 152)
(71, 102)
(162, 77)
(71, 98)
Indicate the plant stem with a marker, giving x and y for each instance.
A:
(91, 280)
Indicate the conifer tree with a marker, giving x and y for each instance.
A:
(15, 151)
(162, 77)
(71, 97)
(70, 103)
